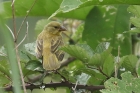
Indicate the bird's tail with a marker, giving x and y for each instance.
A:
(50, 62)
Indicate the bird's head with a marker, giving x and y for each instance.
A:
(54, 28)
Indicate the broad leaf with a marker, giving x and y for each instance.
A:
(82, 52)
(3, 80)
(4, 69)
(71, 9)
(24, 56)
(126, 85)
(135, 9)
(98, 79)
(108, 66)
(92, 76)
(134, 30)
(129, 63)
(95, 60)
(75, 66)
(34, 65)
(98, 59)
(48, 8)
(135, 21)
(102, 47)
(107, 24)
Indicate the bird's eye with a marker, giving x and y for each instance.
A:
(55, 27)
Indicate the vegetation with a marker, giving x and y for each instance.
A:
(102, 46)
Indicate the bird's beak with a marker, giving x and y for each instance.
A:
(62, 28)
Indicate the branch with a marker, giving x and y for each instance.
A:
(117, 62)
(15, 41)
(102, 72)
(65, 63)
(25, 17)
(14, 22)
(24, 36)
(11, 31)
(61, 84)
(71, 41)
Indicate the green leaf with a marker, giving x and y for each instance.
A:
(135, 9)
(108, 66)
(135, 21)
(4, 69)
(98, 59)
(62, 8)
(57, 77)
(82, 51)
(92, 76)
(3, 80)
(22, 7)
(107, 24)
(75, 66)
(34, 65)
(126, 85)
(129, 63)
(102, 47)
(73, 70)
(67, 6)
(24, 56)
(133, 31)
(97, 79)
(95, 60)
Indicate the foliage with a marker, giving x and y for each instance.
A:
(127, 84)
(110, 22)
(103, 43)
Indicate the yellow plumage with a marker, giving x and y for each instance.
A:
(48, 42)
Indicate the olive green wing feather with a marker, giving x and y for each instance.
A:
(55, 44)
(39, 48)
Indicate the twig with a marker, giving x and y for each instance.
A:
(102, 72)
(13, 2)
(61, 75)
(20, 70)
(14, 23)
(15, 41)
(61, 84)
(137, 67)
(24, 36)
(25, 18)
(70, 39)
(116, 64)
(65, 63)
(11, 31)
(74, 88)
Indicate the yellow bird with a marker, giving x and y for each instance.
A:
(48, 42)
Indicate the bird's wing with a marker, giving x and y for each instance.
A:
(55, 43)
(39, 48)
